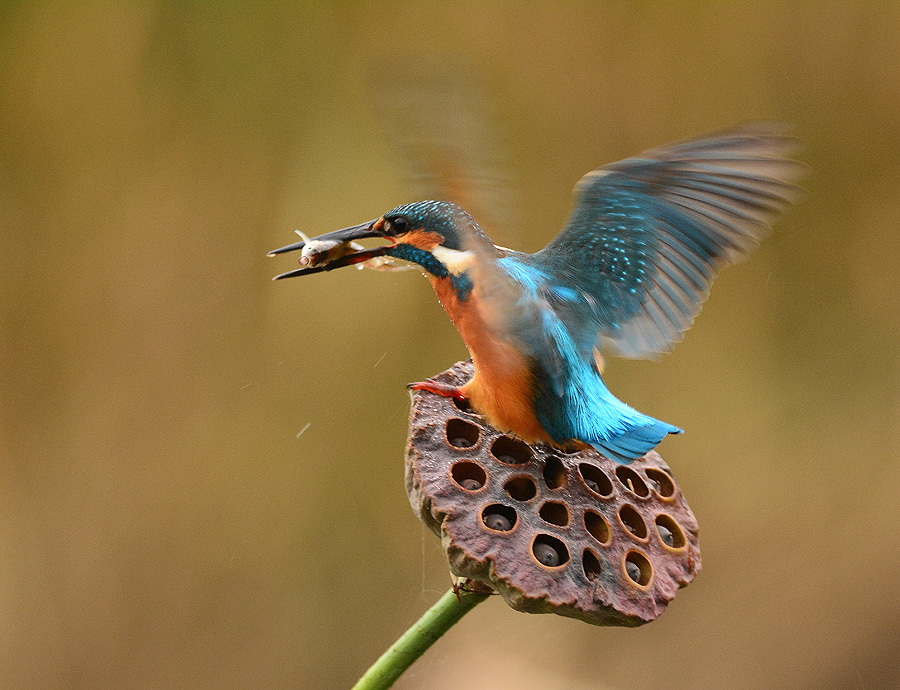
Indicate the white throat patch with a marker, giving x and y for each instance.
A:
(455, 260)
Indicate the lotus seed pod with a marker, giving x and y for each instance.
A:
(575, 534)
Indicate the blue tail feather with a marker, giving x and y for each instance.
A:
(588, 412)
(572, 401)
(635, 442)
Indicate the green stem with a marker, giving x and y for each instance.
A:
(434, 622)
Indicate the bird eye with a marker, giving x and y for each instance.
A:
(399, 224)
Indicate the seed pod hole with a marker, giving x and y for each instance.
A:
(468, 475)
(549, 551)
(520, 488)
(638, 568)
(462, 434)
(632, 481)
(590, 564)
(554, 513)
(662, 483)
(554, 473)
(499, 518)
(595, 479)
(633, 522)
(596, 526)
(670, 532)
(511, 451)
(462, 405)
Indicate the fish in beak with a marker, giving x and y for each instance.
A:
(337, 249)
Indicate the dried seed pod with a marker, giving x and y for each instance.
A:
(553, 532)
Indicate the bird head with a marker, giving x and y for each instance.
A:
(423, 232)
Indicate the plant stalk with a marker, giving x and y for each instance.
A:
(437, 620)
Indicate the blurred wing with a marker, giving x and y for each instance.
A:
(647, 235)
(437, 117)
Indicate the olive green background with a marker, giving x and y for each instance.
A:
(163, 521)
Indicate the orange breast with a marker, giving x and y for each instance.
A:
(503, 386)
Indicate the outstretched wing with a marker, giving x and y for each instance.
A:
(647, 235)
(437, 117)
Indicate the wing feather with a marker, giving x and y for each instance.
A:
(648, 235)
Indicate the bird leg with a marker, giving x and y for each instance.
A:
(442, 389)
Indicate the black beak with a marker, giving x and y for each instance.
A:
(355, 232)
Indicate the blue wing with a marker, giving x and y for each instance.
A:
(633, 265)
(647, 235)
(571, 400)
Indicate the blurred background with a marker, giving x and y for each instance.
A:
(201, 471)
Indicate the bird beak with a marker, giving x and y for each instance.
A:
(334, 243)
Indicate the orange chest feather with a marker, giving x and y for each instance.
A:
(502, 388)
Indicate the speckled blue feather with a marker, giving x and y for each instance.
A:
(631, 269)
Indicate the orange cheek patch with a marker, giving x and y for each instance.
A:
(423, 239)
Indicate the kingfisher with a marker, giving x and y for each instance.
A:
(627, 275)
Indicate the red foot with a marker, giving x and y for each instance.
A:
(441, 389)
